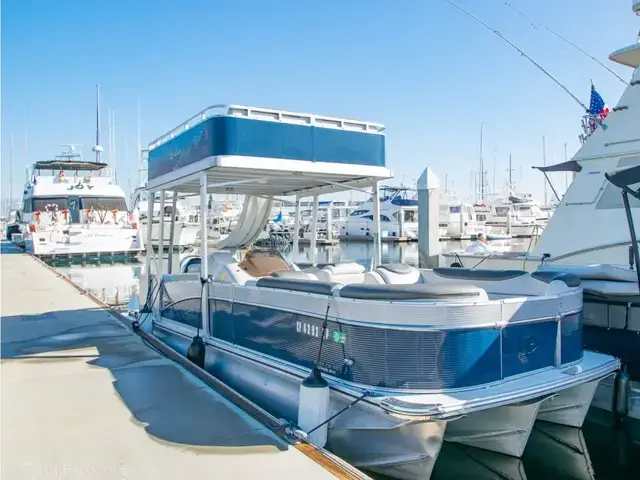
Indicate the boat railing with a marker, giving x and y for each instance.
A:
(268, 114)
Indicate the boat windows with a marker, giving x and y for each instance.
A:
(383, 218)
(502, 211)
(357, 213)
(411, 216)
(104, 203)
(39, 204)
(454, 209)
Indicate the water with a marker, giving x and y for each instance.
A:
(598, 451)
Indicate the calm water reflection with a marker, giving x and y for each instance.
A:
(597, 451)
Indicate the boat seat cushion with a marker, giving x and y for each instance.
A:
(260, 264)
(412, 292)
(399, 273)
(348, 272)
(293, 274)
(468, 274)
(298, 285)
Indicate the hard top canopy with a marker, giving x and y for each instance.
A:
(266, 152)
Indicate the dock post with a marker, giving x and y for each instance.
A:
(314, 232)
(428, 219)
(204, 264)
(377, 245)
(172, 231)
(296, 232)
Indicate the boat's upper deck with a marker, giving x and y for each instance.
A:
(248, 150)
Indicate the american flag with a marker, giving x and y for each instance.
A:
(597, 108)
(597, 105)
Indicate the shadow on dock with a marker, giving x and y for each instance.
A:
(168, 403)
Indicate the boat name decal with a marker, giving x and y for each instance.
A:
(79, 186)
(316, 331)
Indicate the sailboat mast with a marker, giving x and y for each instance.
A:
(510, 177)
(113, 144)
(544, 164)
(481, 164)
(98, 148)
(11, 172)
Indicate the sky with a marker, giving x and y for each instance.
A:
(424, 69)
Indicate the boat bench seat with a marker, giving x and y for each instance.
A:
(412, 292)
(479, 274)
(348, 272)
(294, 274)
(398, 273)
(297, 284)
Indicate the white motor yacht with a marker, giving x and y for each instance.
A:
(74, 208)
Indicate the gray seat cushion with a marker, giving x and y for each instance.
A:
(290, 274)
(399, 268)
(408, 292)
(298, 285)
(468, 274)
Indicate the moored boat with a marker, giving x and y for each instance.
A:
(418, 356)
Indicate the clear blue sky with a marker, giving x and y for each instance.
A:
(424, 69)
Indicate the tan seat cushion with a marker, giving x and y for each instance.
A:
(261, 264)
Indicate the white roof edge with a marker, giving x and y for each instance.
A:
(214, 110)
(320, 174)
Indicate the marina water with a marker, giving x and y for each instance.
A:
(598, 451)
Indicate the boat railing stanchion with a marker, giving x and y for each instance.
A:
(296, 232)
(204, 264)
(149, 237)
(160, 257)
(314, 232)
(377, 246)
(172, 230)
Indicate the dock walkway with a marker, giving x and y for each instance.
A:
(82, 396)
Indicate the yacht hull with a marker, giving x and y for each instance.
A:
(79, 241)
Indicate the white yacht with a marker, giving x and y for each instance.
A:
(398, 217)
(593, 236)
(73, 207)
(589, 224)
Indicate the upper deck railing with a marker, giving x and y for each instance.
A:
(268, 114)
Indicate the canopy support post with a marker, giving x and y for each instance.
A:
(204, 264)
(314, 232)
(377, 245)
(296, 232)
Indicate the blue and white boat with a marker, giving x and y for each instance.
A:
(421, 356)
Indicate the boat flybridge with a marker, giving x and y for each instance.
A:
(379, 366)
(589, 225)
(74, 208)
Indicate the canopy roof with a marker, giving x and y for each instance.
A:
(267, 152)
(569, 166)
(269, 177)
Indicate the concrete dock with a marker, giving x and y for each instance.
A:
(83, 396)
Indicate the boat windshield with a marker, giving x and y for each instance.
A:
(103, 203)
(42, 204)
